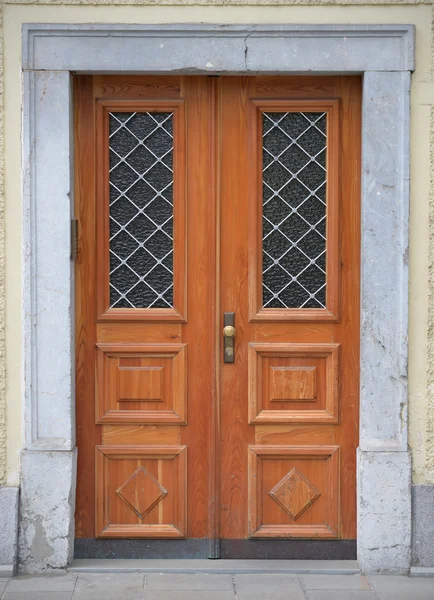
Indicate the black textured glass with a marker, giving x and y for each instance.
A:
(294, 184)
(141, 210)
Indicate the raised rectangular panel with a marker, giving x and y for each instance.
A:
(141, 491)
(141, 383)
(294, 491)
(293, 383)
(144, 384)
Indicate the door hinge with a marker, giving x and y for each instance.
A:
(74, 239)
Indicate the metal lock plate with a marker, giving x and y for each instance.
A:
(229, 337)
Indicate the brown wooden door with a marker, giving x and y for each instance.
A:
(197, 196)
(289, 181)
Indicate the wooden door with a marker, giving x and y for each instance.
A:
(145, 307)
(197, 196)
(290, 220)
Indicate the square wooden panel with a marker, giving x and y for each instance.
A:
(141, 491)
(294, 491)
(293, 383)
(141, 383)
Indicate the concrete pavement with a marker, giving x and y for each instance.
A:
(202, 586)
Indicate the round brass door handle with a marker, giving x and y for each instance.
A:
(229, 331)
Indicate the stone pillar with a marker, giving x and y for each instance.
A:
(49, 459)
(384, 463)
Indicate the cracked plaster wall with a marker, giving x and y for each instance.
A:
(421, 337)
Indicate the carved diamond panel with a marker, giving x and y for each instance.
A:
(294, 493)
(141, 492)
(304, 503)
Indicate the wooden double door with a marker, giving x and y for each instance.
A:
(206, 203)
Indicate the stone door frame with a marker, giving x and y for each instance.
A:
(384, 54)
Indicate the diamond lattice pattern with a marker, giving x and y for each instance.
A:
(141, 210)
(141, 492)
(294, 493)
(294, 210)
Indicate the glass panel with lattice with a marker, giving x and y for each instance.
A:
(141, 209)
(294, 181)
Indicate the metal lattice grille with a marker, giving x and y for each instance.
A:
(294, 210)
(141, 210)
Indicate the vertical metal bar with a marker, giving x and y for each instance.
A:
(213, 548)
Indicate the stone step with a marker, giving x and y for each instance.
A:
(330, 567)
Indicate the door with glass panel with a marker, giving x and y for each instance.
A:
(217, 311)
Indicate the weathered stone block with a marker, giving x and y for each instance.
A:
(8, 530)
(47, 506)
(384, 512)
(423, 526)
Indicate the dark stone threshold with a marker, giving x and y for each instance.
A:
(197, 548)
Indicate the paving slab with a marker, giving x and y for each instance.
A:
(395, 587)
(190, 595)
(3, 584)
(340, 595)
(45, 583)
(268, 587)
(334, 582)
(181, 581)
(415, 595)
(38, 596)
(110, 586)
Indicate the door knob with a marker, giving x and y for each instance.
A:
(229, 334)
(229, 331)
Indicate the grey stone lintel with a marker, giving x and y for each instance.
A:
(219, 48)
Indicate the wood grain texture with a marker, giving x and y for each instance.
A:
(169, 362)
(140, 383)
(114, 346)
(200, 328)
(235, 95)
(122, 86)
(88, 434)
(140, 434)
(275, 433)
(305, 492)
(289, 384)
(333, 417)
(325, 409)
(132, 481)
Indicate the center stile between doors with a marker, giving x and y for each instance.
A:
(217, 316)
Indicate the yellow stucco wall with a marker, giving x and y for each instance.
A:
(421, 363)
